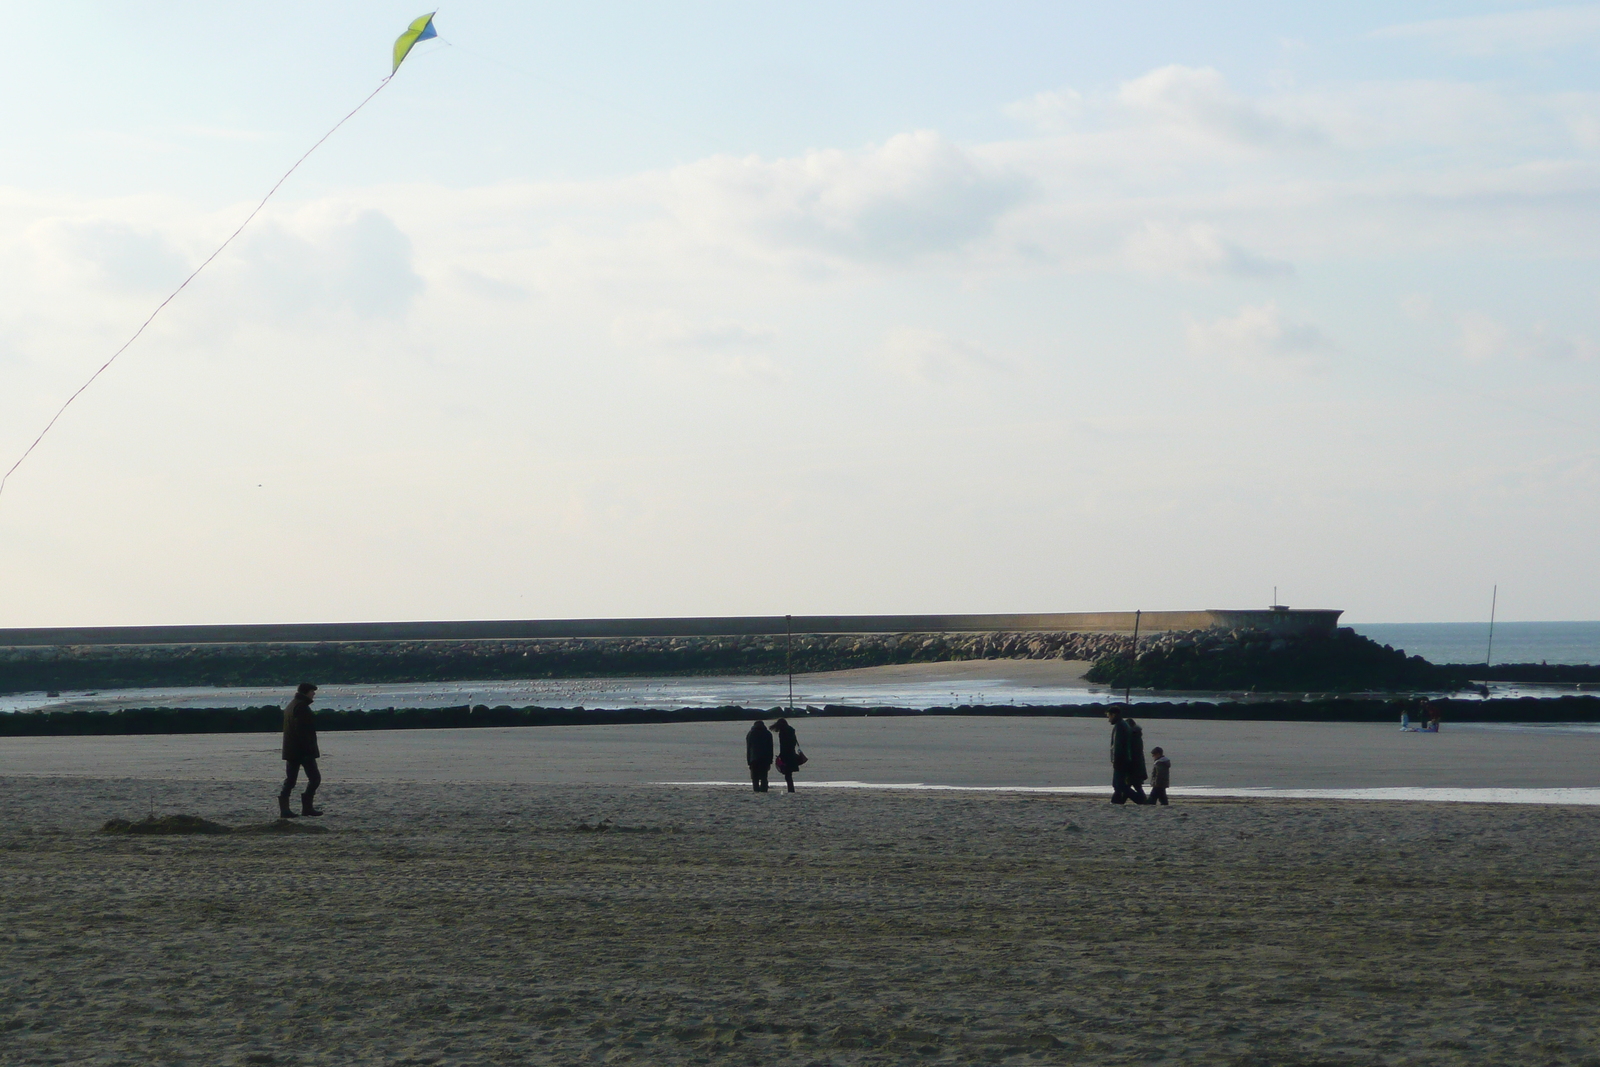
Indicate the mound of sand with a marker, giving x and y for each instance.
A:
(166, 824)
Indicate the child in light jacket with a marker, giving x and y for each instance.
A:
(1163, 775)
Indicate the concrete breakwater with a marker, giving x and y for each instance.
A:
(45, 667)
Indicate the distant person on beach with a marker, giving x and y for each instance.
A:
(300, 750)
(1431, 709)
(758, 754)
(1158, 785)
(1127, 759)
(789, 755)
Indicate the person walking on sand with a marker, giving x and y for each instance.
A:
(1127, 759)
(300, 750)
(789, 755)
(758, 754)
(1158, 785)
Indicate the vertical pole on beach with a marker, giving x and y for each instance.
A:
(788, 655)
(1494, 599)
(1133, 662)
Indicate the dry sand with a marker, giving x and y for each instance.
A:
(474, 923)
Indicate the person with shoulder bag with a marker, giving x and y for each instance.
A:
(789, 755)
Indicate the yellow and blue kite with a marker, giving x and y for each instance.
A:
(421, 29)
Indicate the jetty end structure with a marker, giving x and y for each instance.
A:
(1280, 620)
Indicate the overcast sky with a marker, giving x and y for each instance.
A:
(661, 308)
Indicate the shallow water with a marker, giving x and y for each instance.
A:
(598, 694)
(763, 691)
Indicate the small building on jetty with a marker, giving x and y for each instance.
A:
(1279, 620)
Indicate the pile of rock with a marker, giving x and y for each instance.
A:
(1235, 660)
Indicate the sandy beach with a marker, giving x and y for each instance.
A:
(477, 919)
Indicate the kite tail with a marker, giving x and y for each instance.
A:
(173, 295)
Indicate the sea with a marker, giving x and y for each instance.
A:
(1471, 642)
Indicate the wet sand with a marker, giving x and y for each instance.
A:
(482, 921)
(949, 750)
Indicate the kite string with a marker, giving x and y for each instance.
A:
(195, 273)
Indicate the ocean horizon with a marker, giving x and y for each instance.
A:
(1468, 642)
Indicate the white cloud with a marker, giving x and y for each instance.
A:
(1053, 111)
(1199, 250)
(916, 194)
(107, 252)
(1484, 338)
(327, 257)
(1543, 29)
(671, 329)
(1418, 306)
(1199, 99)
(928, 356)
(1261, 338)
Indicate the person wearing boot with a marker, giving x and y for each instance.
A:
(300, 750)
(1128, 772)
(789, 755)
(758, 754)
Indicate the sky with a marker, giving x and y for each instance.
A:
(629, 309)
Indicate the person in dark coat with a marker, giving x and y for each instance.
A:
(788, 751)
(300, 750)
(758, 754)
(1127, 759)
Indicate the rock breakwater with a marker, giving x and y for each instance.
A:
(31, 668)
(1251, 659)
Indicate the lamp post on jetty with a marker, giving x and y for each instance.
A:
(788, 656)
(1133, 660)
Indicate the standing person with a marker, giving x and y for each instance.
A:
(789, 755)
(758, 754)
(300, 750)
(1163, 768)
(1127, 759)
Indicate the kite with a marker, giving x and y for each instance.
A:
(421, 29)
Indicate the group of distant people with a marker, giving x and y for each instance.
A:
(1427, 719)
(764, 748)
(758, 745)
(1128, 770)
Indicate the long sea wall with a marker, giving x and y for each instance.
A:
(1277, 620)
(44, 667)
